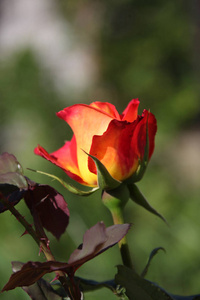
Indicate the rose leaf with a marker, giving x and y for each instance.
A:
(50, 206)
(139, 288)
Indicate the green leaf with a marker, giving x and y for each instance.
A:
(138, 288)
(68, 186)
(151, 256)
(138, 198)
(105, 180)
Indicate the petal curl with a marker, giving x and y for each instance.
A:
(113, 149)
(85, 121)
(65, 158)
(107, 108)
(131, 112)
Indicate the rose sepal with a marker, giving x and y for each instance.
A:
(68, 186)
(104, 179)
(116, 199)
(139, 198)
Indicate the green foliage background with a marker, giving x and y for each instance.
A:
(144, 50)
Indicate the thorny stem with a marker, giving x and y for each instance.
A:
(41, 243)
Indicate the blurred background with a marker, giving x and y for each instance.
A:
(57, 53)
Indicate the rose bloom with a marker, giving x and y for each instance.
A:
(118, 141)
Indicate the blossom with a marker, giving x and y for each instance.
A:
(117, 140)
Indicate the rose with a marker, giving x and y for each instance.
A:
(118, 141)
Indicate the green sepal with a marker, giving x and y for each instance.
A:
(116, 199)
(138, 198)
(105, 180)
(68, 186)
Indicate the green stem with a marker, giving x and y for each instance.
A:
(117, 215)
(115, 200)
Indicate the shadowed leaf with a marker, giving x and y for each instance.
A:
(10, 193)
(95, 241)
(11, 171)
(193, 297)
(138, 288)
(87, 285)
(41, 290)
(91, 285)
(30, 273)
(50, 207)
(12, 182)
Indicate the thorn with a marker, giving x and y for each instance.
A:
(56, 278)
(26, 231)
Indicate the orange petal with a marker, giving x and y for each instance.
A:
(85, 121)
(65, 158)
(131, 112)
(113, 149)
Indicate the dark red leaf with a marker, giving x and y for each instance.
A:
(95, 241)
(29, 274)
(50, 207)
(11, 193)
(40, 290)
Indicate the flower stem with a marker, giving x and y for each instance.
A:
(115, 200)
(117, 216)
